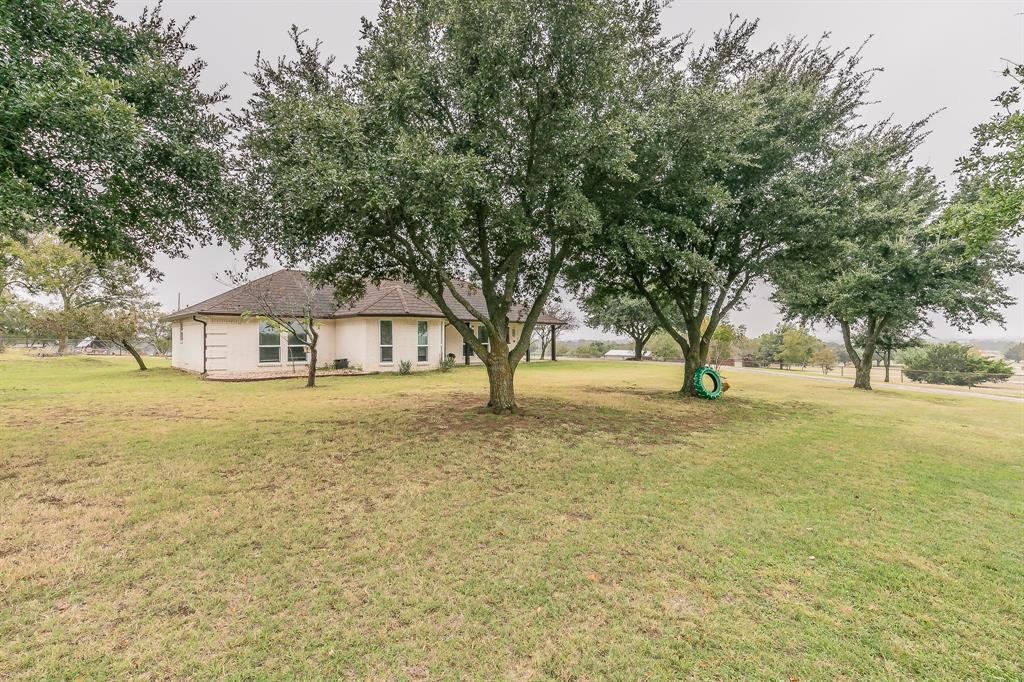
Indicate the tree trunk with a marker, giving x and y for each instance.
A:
(62, 343)
(638, 348)
(863, 376)
(311, 374)
(887, 359)
(691, 363)
(501, 376)
(135, 354)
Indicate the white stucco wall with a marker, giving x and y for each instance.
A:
(366, 342)
(350, 340)
(232, 344)
(454, 341)
(187, 345)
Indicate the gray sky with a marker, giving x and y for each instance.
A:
(935, 55)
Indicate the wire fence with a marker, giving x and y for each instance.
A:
(89, 345)
(938, 376)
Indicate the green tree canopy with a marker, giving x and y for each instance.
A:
(769, 345)
(127, 320)
(824, 357)
(990, 199)
(625, 315)
(955, 364)
(840, 350)
(885, 261)
(663, 346)
(725, 340)
(75, 282)
(726, 177)
(471, 140)
(104, 129)
(797, 347)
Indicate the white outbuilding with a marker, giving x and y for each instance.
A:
(624, 354)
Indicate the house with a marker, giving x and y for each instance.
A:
(623, 354)
(391, 322)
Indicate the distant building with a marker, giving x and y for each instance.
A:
(624, 354)
(94, 346)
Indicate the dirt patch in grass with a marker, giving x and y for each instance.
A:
(52, 500)
(63, 417)
(460, 415)
(607, 416)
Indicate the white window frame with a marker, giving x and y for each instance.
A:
(261, 345)
(289, 345)
(485, 341)
(380, 342)
(423, 349)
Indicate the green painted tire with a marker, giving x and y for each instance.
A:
(701, 389)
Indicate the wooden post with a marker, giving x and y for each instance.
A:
(553, 328)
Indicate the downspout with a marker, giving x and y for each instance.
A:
(202, 322)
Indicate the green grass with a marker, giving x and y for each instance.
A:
(384, 527)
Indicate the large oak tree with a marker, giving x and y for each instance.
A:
(623, 315)
(47, 267)
(727, 173)
(471, 140)
(105, 133)
(890, 257)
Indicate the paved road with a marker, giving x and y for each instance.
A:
(884, 387)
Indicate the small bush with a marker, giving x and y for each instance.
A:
(447, 362)
(955, 364)
(405, 367)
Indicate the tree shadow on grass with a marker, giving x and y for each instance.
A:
(624, 417)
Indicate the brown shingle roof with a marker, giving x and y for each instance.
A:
(286, 290)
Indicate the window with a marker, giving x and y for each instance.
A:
(386, 345)
(270, 343)
(481, 335)
(297, 338)
(422, 345)
(181, 331)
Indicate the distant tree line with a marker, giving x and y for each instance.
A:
(53, 290)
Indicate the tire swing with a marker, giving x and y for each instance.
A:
(703, 391)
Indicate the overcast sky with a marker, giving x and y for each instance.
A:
(935, 55)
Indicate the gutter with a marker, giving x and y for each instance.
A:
(202, 322)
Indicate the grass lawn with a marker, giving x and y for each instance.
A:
(383, 527)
